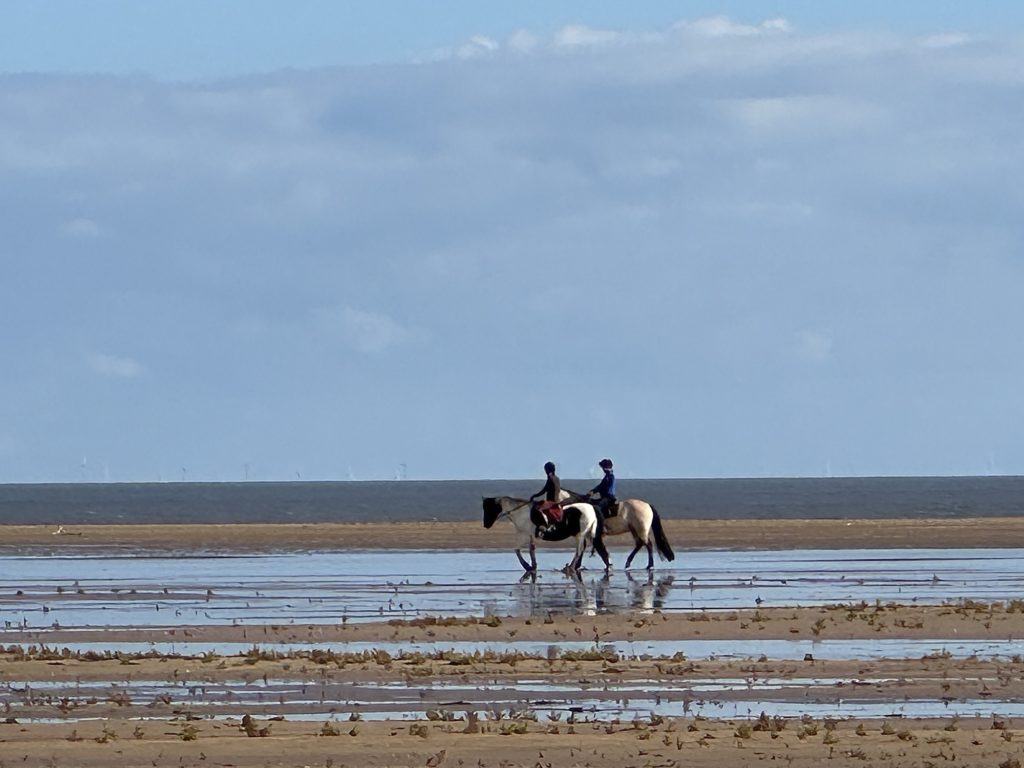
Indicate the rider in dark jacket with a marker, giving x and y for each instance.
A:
(605, 490)
(548, 509)
(552, 488)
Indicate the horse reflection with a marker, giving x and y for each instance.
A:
(649, 594)
(587, 595)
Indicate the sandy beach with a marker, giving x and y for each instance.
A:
(511, 744)
(94, 708)
(688, 534)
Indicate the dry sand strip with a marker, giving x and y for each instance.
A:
(684, 534)
(667, 743)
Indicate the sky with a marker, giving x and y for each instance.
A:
(330, 240)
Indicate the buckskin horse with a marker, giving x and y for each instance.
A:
(643, 522)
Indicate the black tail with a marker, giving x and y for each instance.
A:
(664, 548)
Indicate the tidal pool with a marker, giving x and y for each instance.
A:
(105, 590)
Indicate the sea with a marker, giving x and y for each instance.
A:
(455, 500)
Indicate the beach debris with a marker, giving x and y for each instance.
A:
(249, 725)
(472, 723)
(329, 729)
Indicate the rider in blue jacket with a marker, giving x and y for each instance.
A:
(605, 490)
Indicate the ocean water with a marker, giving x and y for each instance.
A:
(346, 502)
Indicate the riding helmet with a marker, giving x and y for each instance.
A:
(605, 463)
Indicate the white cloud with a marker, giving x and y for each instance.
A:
(523, 41)
(477, 46)
(579, 35)
(776, 25)
(800, 115)
(723, 26)
(369, 332)
(948, 40)
(814, 346)
(114, 366)
(81, 227)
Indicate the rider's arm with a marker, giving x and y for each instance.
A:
(543, 491)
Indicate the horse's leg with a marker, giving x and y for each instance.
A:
(639, 543)
(573, 565)
(524, 540)
(522, 561)
(650, 554)
(602, 550)
(581, 549)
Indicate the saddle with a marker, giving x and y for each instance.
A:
(546, 513)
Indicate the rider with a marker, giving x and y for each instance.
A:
(605, 490)
(552, 488)
(551, 491)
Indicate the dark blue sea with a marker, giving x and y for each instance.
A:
(450, 500)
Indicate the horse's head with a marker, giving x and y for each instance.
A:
(492, 509)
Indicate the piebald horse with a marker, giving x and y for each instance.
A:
(644, 523)
(579, 520)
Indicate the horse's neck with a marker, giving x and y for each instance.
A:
(520, 518)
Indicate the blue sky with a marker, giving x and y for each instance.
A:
(200, 39)
(706, 239)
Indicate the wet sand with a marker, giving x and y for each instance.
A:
(115, 730)
(962, 620)
(688, 534)
(670, 743)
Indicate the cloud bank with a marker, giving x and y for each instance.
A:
(720, 248)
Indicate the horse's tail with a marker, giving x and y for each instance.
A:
(598, 543)
(664, 548)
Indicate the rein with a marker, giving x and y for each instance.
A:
(518, 506)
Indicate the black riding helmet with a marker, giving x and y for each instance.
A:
(605, 463)
(549, 467)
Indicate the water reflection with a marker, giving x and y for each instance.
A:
(586, 594)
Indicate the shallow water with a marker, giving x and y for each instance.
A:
(325, 588)
(68, 702)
